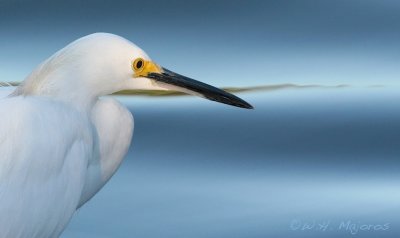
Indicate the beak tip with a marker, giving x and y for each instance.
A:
(250, 107)
(246, 105)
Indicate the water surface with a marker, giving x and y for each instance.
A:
(304, 163)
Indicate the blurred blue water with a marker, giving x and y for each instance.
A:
(304, 163)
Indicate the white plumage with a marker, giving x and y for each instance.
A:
(60, 143)
(114, 124)
(45, 151)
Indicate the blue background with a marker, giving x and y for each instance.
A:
(305, 163)
(227, 43)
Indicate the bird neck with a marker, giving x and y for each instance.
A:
(55, 85)
(79, 98)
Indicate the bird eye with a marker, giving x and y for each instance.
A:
(138, 64)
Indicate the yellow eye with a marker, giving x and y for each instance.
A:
(142, 67)
(138, 64)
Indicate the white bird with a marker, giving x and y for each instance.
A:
(60, 143)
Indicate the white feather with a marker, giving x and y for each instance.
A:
(45, 147)
(114, 126)
(5, 91)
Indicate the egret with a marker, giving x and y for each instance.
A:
(60, 142)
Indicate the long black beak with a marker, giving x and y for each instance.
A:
(202, 89)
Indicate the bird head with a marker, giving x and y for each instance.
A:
(103, 63)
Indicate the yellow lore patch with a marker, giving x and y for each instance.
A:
(142, 67)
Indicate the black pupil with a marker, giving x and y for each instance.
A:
(139, 64)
